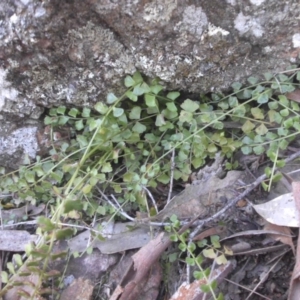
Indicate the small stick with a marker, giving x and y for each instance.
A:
(171, 175)
(151, 197)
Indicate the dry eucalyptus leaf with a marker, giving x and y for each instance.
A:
(280, 211)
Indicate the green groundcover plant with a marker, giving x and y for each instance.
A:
(144, 138)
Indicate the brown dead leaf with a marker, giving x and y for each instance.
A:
(242, 203)
(284, 234)
(142, 261)
(294, 96)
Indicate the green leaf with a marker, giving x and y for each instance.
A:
(191, 247)
(283, 144)
(268, 76)
(4, 276)
(53, 112)
(233, 101)
(280, 163)
(224, 105)
(283, 78)
(204, 107)
(173, 257)
(129, 81)
(258, 150)
(190, 261)
(273, 105)
(263, 98)
(63, 234)
(131, 96)
(198, 275)
(86, 112)
(246, 150)
(62, 120)
(30, 176)
(139, 127)
(171, 107)
(61, 110)
(261, 129)
(140, 89)
(50, 120)
(87, 189)
(284, 112)
(182, 247)
(173, 238)
(295, 106)
(101, 108)
(268, 171)
(79, 125)
(277, 177)
(70, 205)
(236, 86)
(221, 260)
(150, 100)
(215, 240)
(73, 112)
(155, 89)
(111, 98)
(160, 120)
(137, 77)
(18, 259)
(288, 123)
(212, 148)
(106, 167)
(173, 95)
(244, 94)
(248, 126)
(164, 178)
(189, 105)
(258, 90)
(45, 224)
(252, 80)
(135, 113)
(82, 140)
(257, 113)
(117, 112)
(283, 100)
(209, 253)
(185, 116)
(11, 268)
(282, 131)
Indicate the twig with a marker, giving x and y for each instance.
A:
(171, 176)
(118, 208)
(252, 186)
(151, 197)
(33, 222)
(247, 289)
